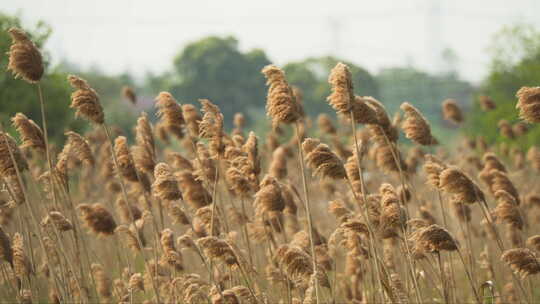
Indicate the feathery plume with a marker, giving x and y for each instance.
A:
(506, 129)
(170, 113)
(218, 249)
(211, 127)
(281, 104)
(21, 263)
(129, 94)
(97, 218)
(534, 242)
(507, 210)
(416, 126)
(126, 166)
(452, 111)
(487, 104)
(86, 101)
(103, 283)
(322, 160)
(58, 219)
(521, 260)
(192, 118)
(79, 148)
(278, 165)
(193, 191)
(31, 134)
(24, 57)
(431, 239)
(7, 167)
(165, 185)
(325, 124)
(529, 104)
(144, 153)
(454, 181)
(393, 216)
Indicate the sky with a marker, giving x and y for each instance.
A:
(142, 35)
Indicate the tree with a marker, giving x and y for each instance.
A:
(214, 68)
(18, 96)
(424, 90)
(515, 63)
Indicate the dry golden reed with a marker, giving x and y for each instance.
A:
(24, 57)
(30, 132)
(281, 104)
(322, 160)
(452, 112)
(165, 185)
(455, 181)
(522, 261)
(529, 104)
(85, 100)
(144, 152)
(416, 126)
(487, 104)
(126, 166)
(170, 113)
(97, 218)
(129, 94)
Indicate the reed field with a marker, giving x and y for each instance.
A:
(368, 208)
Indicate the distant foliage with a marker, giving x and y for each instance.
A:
(515, 63)
(22, 97)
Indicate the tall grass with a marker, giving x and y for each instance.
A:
(221, 220)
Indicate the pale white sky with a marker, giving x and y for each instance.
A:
(141, 35)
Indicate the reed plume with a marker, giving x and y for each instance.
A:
(507, 210)
(529, 104)
(487, 104)
(454, 181)
(193, 191)
(281, 104)
(7, 166)
(21, 263)
(416, 126)
(506, 129)
(103, 282)
(534, 242)
(432, 239)
(25, 59)
(211, 127)
(165, 185)
(170, 113)
(97, 218)
(85, 101)
(126, 166)
(522, 261)
(144, 153)
(452, 112)
(192, 118)
(322, 160)
(30, 132)
(58, 219)
(129, 94)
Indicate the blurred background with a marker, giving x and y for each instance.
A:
(421, 51)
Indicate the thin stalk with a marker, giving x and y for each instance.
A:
(124, 192)
(308, 209)
(246, 234)
(443, 278)
(469, 277)
(364, 198)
